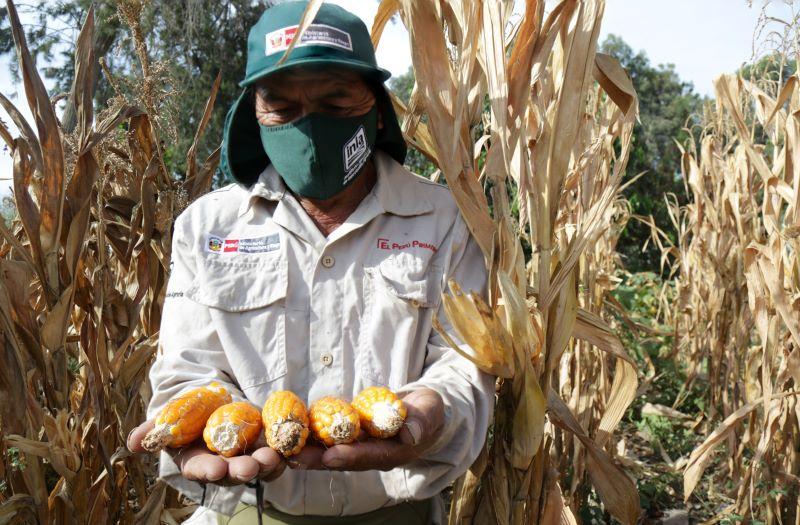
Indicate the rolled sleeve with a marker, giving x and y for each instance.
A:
(467, 392)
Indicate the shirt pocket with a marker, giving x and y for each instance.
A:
(247, 301)
(400, 295)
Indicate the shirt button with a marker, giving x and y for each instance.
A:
(326, 359)
(328, 261)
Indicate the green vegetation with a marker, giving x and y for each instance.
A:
(656, 441)
(189, 42)
(667, 106)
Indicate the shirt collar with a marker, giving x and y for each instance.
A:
(269, 186)
(396, 189)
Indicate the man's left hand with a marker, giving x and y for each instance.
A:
(424, 420)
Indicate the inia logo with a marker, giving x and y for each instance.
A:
(356, 152)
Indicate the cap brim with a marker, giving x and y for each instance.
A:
(376, 72)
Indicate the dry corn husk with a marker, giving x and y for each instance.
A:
(84, 268)
(738, 313)
(556, 110)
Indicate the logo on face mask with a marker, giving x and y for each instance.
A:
(356, 152)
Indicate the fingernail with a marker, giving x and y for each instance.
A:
(128, 439)
(415, 430)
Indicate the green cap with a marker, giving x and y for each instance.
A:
(336, 38)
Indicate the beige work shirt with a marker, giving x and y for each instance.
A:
(260, 300)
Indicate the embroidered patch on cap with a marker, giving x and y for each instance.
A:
(315, 35)
(268, 243)
(356, 152)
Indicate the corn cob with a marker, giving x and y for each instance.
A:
(285, 421)
(232, 428)
(182, 420)
(381, 412)
(333, 421)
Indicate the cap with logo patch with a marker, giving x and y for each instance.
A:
(335, 38)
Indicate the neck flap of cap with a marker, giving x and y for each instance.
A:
(243, 157)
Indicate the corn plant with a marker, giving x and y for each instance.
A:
(88, 258)
(84, 271)
(738, 289)
(556, 139)
(737, 284)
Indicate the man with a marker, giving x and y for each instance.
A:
(320, 271)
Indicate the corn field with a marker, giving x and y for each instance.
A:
(738, 289)
(84, 272)
(531, 129)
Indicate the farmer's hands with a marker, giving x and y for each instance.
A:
(424, 420)
(197, 463)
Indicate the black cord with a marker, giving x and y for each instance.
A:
(256, 484)
(203, 497)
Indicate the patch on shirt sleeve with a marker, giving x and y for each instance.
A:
(219, 245)
(316, 35)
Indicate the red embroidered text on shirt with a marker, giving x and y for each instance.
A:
(386, 244)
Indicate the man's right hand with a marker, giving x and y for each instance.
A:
(197, 463)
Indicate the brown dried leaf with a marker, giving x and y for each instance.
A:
(51, 196)
(82, 92)
(591, 328)
(386, 10)
(54, 328)
(615, 81)
(305, 20)
(194, 183)
(615, 489)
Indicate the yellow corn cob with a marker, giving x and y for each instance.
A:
(382, 413)
(285, 421)
(182, 420)
(232, 428)
(333, 421)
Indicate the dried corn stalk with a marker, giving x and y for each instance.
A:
(84, 269)
(558, 133)
(739, 291)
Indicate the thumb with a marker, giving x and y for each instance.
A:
(135, 437)
(425, 417)
(411, 433)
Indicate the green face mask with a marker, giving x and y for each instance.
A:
(318, 156)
